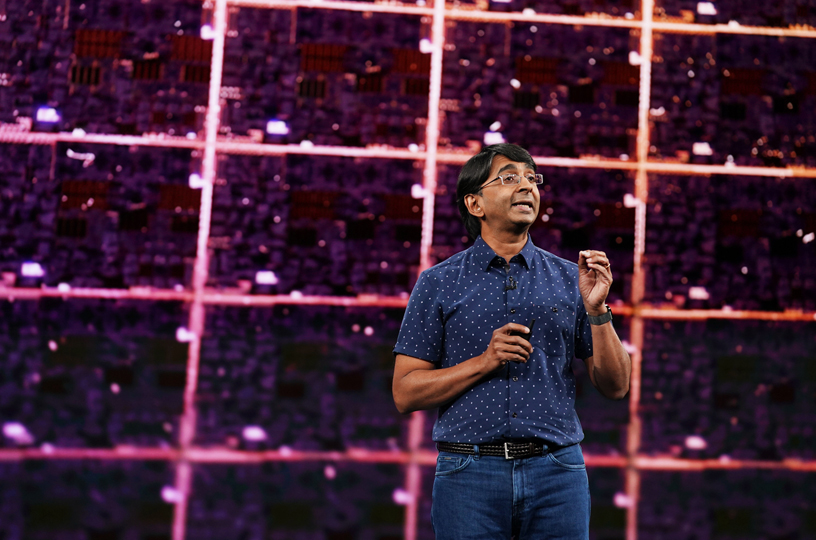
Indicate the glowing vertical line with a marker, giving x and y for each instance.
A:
(413, 479)
(638, 276)
(432, 134)
(200, 272)
(634, 430)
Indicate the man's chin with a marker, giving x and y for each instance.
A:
(522, 227)
(525, 221)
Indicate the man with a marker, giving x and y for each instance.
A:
(488, 338)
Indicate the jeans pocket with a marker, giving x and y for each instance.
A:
(570, 458)
(451, 464)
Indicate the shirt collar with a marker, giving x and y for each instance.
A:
(484, 255)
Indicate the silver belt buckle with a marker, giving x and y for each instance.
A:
(507, 452)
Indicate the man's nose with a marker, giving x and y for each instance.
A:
(526, 184)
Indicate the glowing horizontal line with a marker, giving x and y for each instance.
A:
(688, 168)
(423, 457)
(210, 296)
(221, 455)
(363, 300)
(591, 19)
(458, 157)
(549, 161)
(120, 453)
(260, 149)
(160, 140)
(401, 9)
(544, 18)
(702, 29)
(704, 314)
(216, 297)
(675, 464)
(136, 293)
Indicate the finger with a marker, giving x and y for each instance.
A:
(514, 352)
(515, 340)
(523, 343)
(599, 258)
(519, 359)
(509, 328)
(599, 269)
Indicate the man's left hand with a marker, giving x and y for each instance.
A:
(594, 280)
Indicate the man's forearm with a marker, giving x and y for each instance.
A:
(611, 365)
(424, 389)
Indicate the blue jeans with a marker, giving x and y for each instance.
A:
(485, 497)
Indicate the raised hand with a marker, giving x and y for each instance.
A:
(594, 280)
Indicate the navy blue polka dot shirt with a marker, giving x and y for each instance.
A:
(453, 311)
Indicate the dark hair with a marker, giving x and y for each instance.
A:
(475, 172)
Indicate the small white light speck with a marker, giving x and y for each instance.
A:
(695, 442)
(266, 277)
(254, 433)
(183, 335)
(170, 495)
(32, 269)
(402, 497)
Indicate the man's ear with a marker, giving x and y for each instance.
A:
(473, 206)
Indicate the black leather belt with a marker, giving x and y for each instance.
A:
(507, 450)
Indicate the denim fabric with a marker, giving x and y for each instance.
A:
(482, 497)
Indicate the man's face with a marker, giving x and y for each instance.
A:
(510, 207)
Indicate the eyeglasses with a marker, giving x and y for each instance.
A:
(513, 179)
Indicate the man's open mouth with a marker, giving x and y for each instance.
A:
(526, 204)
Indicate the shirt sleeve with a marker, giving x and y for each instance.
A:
(583, 333)
(422, 332)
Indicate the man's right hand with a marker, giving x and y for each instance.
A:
(505, 347)
(419, 385)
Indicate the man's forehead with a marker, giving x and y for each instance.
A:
(502, 164)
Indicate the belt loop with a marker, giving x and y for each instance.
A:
(476, 454)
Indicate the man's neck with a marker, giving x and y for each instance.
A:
(506, 245)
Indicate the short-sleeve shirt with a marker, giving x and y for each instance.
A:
(451, 315)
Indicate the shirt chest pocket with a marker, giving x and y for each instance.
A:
(553, 330)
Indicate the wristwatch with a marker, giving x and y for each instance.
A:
(601, 319)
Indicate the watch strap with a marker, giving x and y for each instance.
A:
(601, 319)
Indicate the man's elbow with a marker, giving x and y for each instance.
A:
(403, 408)
(619, 392)
(403, 404)
(617, 396)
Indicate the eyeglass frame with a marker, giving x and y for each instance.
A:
(538, 176)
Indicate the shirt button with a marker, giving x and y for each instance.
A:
(514, 415)
(515, 379)
(513, 310)
(555, 310)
